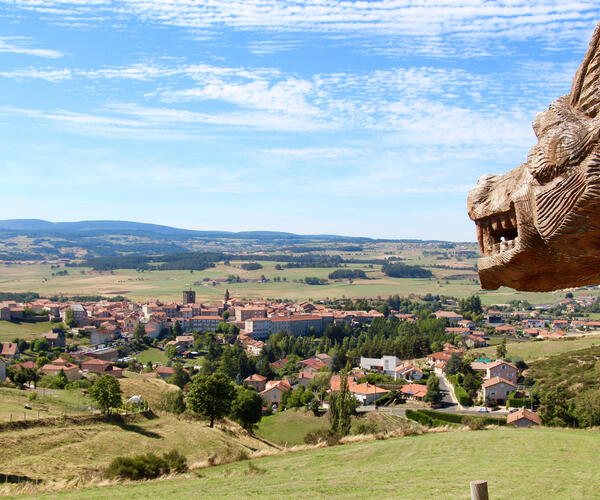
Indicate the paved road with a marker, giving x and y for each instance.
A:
(446, 394)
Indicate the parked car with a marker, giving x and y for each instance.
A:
(483, 409)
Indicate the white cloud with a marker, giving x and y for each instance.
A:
(21, 45)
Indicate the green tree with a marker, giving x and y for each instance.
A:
(433, 395)
(180, 376)
(557, 408)
(501, 349)
(41, 361)
(177, 330)
(247, 408)
(587, 408)
(70, 318)
(170, 351)
(454, 364)
(139, 332)
(211, 396)
(106, 392)
(342, 405)
(62, 379)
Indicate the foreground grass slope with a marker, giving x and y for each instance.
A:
(67, 450)
(517, 463)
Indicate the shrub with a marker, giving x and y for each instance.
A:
(176, 461)
(473, 423)
(141, 467)
(147, 466)
(172, 402)
(322, 435)
(83, 383)
(366, 428)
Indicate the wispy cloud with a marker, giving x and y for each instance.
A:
(23, 45)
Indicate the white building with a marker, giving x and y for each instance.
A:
(387, 364)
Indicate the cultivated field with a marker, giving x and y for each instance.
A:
(167, 285)
(537, 463)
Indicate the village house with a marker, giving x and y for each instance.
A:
(497, 389)
(164, 372)
(153, 329)
(523, 418)
(54, 368)
(386, 364)
(257, 381)
(55, 338)
(100, 366)
(9, 350)
(311, 365)
(274, 390)
(305, 378)
(502, 369)
(414, 391)
(451, 316)
(102, 336)
(408, 371)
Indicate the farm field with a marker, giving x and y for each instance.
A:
(539, 463)
(27, 331)
(545, 348)
(167, 285)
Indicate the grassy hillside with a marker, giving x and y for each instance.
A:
(289, 427)
(527, 463)
(150, 389)
(43, 403)
(545, 348)
(578, 370)
(67, 450)
(23, 330)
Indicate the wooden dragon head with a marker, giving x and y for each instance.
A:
(538, 226)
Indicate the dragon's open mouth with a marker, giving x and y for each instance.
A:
(497, 233)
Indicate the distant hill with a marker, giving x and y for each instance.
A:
(39, 226)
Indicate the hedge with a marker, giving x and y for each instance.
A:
(456, 418)
(514, 402)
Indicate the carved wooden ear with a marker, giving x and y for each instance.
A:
(585, 92)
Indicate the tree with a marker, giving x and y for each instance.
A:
(433, 395)
(342, 406)
(62, 379)
(180, 376)
(70, 318)
(139, 332)
(454, 364)
(557, 407)
(177, 330)
(170, 351)
(41, 361)
(106, 392)
(247, 408)
(587, 408)
(211, 396)
(501, 349)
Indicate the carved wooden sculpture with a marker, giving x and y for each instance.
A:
(538, 226)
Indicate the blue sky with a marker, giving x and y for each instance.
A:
(368, 118)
